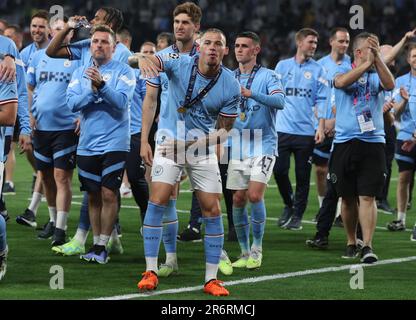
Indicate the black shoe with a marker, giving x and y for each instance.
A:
(367, 255)
(338, 222)
(48, 231)
(285, 217)
(27, 219)
(5, 215)
(58, 238)
(319, 242)
(295, 224)
(190, 235)
(8, 188)
(385, 207)
(351, 252)
(396, 225)
(232, 235)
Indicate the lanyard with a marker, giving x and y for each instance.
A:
(188, 102)
(256, 68)
(367, 92)
(191, 53)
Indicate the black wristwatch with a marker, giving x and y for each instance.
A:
(2, 56)
(10, 55)
(101, 85)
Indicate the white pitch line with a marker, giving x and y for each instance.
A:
(261, 279)
(270, 219)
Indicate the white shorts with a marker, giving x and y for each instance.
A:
(204, 175)
(257, 169)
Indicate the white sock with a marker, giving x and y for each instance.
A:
(401, 216)
(103, 240)
(96, 239)
(151, 264)
(211, 271)
(320, 200)
(52, 214)
(339, 206)
(61, 221)
(10, 183)
(81, 236)
(171, 259)
(35, 202)
(256, 248)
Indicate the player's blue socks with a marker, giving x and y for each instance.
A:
(214, 239)
(258, 222)
(84, 217)
(153, 229)
(170, 227)
(3, 242)
(242, 228)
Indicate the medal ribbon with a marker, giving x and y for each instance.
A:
(188, 102)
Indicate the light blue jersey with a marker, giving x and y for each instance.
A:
(305, 87)
(259, 114)
(27, 54)
(407, 125)
(222, 99)
(81, 51)
(50, 78)
(331, 69)
(105, 115)
(163, 82)
(8, 46)
(365, 94)
(137, 103)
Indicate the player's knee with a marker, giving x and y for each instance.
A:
(238, 200)
(108, 196)
(405, 177)
(255, 196)
(62, 177)
(321, 170)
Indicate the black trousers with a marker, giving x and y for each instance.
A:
(302, 148)
(136, 171)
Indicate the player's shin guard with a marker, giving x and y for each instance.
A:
(214, 241)
(152, 234)
(170, 227)
(3, 242)
(258, 222)
(242, 228)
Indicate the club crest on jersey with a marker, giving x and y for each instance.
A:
(307, 75)
(67, 63)
(361, 80)
(174, 55)
(106, 77)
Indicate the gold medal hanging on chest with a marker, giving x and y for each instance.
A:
(182, 110)
(242, 116)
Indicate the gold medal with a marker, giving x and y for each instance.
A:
(242, 116)
(182, 110)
